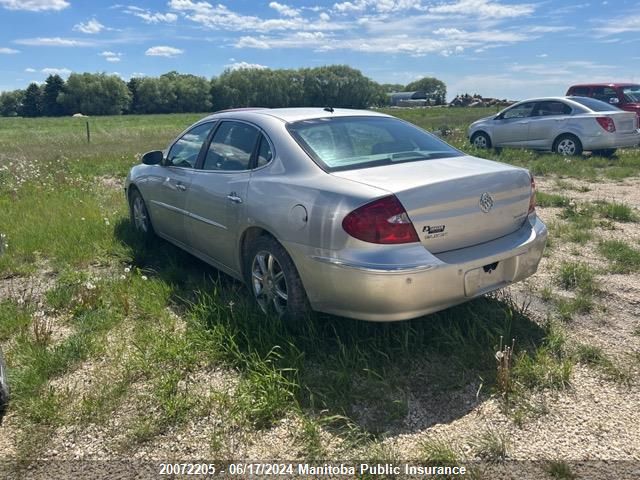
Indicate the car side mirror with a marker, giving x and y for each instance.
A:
(614, 100)
(154, 157)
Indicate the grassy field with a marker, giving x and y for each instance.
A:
(99, 327)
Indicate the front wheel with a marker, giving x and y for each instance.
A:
(606, 153)
(567, 145)
(481, 140)
(274, 280)
(140, 215)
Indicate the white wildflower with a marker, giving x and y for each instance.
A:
(127, 269)
(90, 286)
(144, 277)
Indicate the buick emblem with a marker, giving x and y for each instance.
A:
(486, 202)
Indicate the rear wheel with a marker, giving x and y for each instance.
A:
(480, 140)
(139, 214)
(567, 145)
(274, 280)
(607, 152)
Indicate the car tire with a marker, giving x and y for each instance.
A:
(4, 388)
(274, 281)
(481, 140)
(606, 153)
(567, 145)
(139, 215)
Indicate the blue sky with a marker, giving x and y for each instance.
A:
(498, 48)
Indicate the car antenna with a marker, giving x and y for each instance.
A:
(328, 109)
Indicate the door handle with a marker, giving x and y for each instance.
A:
(234, 198)
(180, 186)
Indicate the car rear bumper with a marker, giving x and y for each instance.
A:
(612, 140)
(423, 283)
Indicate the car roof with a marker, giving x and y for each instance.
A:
(289, 115)
(614, 84)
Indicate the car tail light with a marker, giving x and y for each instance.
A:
(382, 221)
(532, 199)
(607, 124)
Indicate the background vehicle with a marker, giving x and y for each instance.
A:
(353, 213)
(625, 96)
(4, 387)
(564, 125)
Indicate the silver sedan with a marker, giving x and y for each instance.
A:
(565, 125)
(352, 213)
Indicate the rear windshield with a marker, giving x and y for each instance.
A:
(595, 105)
(632, 94)
(349, 143)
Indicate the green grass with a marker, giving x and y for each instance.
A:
(559, 469)
(618, 211)
(623, 257)
(551, 200)
(577, 276)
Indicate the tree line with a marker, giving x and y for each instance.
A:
(173, 92)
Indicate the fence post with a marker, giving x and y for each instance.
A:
(88, 133)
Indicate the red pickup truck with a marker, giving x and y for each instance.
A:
(623, 95)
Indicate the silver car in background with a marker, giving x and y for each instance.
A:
(348, 212)
(564, 125)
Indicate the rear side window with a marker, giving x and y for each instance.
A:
(349, 143)
(595, 105)
(231, 147)
(265, 153)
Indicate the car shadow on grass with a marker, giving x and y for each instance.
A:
(381, 378)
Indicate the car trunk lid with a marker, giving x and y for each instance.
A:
(625, 122)
(454, 202)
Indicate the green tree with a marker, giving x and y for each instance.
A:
(53, 86)
(339, 86)
(432, 86)
(133, 84)
(32, 101)
(95, 94)
(11, 103)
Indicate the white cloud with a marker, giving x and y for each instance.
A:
(324, 16)
(484, 9)
(151, 17)
(91, 27)
(34, 5)
(111, 56)
(163, 51)
(382, 6)
(63, 72)
(245, 66)
(53, 42)
(285, 10)
(220, 17)
(30, 70)
(619, 25)
(8, 51)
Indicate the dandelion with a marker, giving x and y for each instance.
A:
(144, 277)
(123, 277)
(90, 286)
(127, 269)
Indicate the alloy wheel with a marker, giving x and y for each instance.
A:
(269, 283)
(140, 216)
